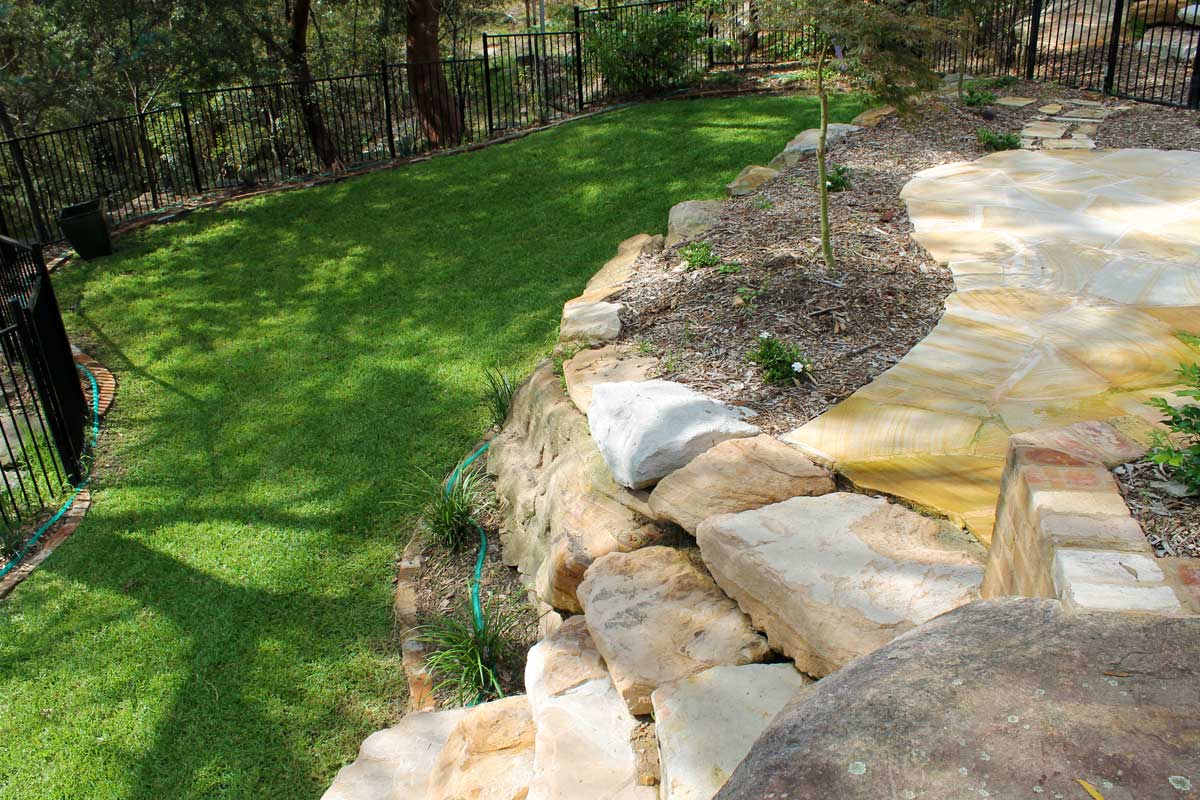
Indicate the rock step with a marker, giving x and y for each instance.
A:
(835, 577)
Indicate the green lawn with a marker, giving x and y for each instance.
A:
(220, 624)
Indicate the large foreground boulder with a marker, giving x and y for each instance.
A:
(560, 508)
(648, 429)
(583, 749)
(656, 618)
(737, 475)
(834, 577)
(706, 723)
(1004, 699)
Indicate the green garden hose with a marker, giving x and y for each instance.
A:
(451, 482)
(24, 551)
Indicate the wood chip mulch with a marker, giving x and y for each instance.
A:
(885, 295)
(1171, 523)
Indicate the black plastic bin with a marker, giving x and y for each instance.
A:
(87, 229)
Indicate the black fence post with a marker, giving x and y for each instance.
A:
(1194, 90)
(1114, 47)
(1035, 32)
(487, 85)
(191, 145)
(387, 106)
(578, 61)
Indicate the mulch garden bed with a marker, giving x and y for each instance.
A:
(1171, 523)
(886, 293)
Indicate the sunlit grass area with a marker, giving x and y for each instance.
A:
(220, 625)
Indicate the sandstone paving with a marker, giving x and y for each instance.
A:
(1073, 272)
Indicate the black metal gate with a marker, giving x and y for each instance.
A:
(42, 406)
(1146, 50)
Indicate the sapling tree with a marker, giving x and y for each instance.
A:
(888, 41)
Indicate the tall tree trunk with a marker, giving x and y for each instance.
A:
(314, 123)
(440, 117)
(822, 169)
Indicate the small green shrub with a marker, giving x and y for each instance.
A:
(464, 660)
(499, 394)
(781, 362)
(445, 510)
(837, 177)
(657, 54)
(698, 255)
(993, 141)
(750, 295)
(763, 204)
(978, 97)
(1180, 452)
(729, 269)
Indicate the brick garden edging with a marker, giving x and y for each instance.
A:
(66, 525)
(1063, 529)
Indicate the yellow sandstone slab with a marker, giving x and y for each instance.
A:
(1074, 270)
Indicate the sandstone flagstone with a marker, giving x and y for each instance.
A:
(609, 364)
(835, 577)
(737, 475)
(706, 723)
(1073, 272)
(656, 618)
(1004, 699)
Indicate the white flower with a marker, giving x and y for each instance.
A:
(764, 335)
(797, 366)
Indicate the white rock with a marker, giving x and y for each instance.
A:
(582, 749)
(395, 763)
(805, 142)
(1190, 15)
(656, 618)
(646, 430)
(706, 723)
(835, 577)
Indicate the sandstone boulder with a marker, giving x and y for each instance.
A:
(1189, 15)
(1004, 699)
(395, 763)
(609, 364)
(488, 755)
(655, 618)
(691, 218)
(647, 430)
(589, 322)
(619, 268)
(706, 723)
(835, 577)
(873, 116)
(737, 475)
(560, 508)
(749, 179)
(805, 144)
(583, 749)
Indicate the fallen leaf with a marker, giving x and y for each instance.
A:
(1092, 790)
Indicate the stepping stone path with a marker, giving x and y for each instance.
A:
(835, 577)
(1073, 270)
(1003, 699)
(656, 618)
(1070, 124)
(707, 723)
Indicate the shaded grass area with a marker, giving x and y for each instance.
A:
(220, 625)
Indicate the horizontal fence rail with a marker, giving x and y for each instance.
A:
(221, 139)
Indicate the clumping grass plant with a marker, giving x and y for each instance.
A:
(445, 509)
(993, 141)
(498, 396)
(1179, 452)
(465, 660)
(782, 363)
(978, 97)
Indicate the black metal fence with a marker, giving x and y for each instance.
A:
(1142, 50)
(242, 136)
(42, 406)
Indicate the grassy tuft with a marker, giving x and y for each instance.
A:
(993, 141)
(465, 660)
(445, 510)
(498, 396)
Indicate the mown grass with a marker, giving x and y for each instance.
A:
(220, 624)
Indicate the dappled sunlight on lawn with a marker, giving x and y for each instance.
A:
(220, 624)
